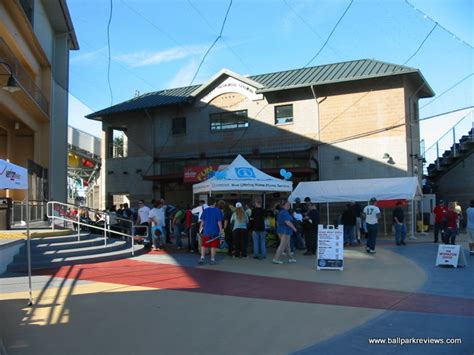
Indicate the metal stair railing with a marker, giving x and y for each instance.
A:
(449, 141)
(59, 211)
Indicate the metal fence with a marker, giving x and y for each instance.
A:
(37, 211)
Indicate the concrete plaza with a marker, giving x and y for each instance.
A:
(164, 303)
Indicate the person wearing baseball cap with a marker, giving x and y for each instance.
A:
(371, 214)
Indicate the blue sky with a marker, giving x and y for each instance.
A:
(158, 44)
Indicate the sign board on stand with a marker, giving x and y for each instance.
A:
(450, 255)
(330, 254)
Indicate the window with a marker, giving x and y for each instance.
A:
(118, 143)
(229, 120)
(172, 167)
(283, 114)
(179, 125)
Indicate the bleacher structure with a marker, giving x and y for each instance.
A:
(453, 156)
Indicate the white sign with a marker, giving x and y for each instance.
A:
(450, 255)
(13, 176)
(330, 248)
(231, 84)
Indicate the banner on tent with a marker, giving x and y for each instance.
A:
(450, 255)
(330, 254)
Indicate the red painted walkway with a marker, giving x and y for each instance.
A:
(172, 277)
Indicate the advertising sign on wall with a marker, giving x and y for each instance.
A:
(13, 176)
(199, 173)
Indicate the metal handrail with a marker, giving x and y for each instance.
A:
(448, 141)
(51, 207)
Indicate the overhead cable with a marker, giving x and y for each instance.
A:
(421, 45)
(108, 49)
(447, 90)
(445, 113)
(213, 43)
(330, 34)
(223, 40)
(444, 28)
(308, 25)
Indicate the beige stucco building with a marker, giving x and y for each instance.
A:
(346, 120)
(35, 39)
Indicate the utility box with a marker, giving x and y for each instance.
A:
(5, 213)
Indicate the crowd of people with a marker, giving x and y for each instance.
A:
(234, 227)
(217, 224)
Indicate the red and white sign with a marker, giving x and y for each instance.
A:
(450, 255)
(199, 173)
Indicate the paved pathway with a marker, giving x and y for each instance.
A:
(165, 304)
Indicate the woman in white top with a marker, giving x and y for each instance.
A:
(239, 221)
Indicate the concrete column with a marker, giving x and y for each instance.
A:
(59, 121)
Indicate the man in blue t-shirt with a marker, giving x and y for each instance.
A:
(211, 228)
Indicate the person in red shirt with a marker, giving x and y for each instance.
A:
(439, 212)
(451, 218)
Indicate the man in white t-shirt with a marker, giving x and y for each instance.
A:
(371, 214)
(156, 220)
(200, 209)
(143, 213)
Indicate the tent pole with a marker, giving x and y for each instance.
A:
(327, 212)
(384, 222)
(413, 220)
(28, 245)
(264, 200)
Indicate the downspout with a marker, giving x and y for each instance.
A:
(152, 140)
(319, 131)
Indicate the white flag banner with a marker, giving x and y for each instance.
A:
(13, 176)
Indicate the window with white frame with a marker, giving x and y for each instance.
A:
(229, 120)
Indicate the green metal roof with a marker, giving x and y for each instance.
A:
(284, 80)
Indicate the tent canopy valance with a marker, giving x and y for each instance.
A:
(242, 177)
(402, 188)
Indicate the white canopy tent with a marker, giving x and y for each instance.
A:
(14, 177)
(242, 177)
(402, 188)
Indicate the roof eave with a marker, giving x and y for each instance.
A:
(428, 90)
(99, 115)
